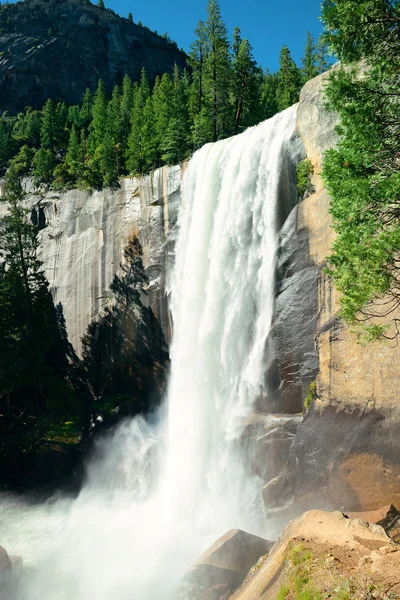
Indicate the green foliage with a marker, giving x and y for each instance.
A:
(142, 127)
(304, 170)
(363, 174)
(299, 585)
(310, 68)
(246, 78)
(28, 318)
(289, 80)
(311, 395)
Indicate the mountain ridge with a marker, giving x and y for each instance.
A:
(56, 49)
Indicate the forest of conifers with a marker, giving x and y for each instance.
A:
(144, 125)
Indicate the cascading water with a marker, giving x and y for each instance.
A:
(159, 494)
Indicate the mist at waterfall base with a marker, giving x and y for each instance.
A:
(160, 491)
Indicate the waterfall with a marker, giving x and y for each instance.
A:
(160, 492)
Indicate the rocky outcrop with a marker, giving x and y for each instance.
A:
(327, 553)
(346, 452)
(10, 570)
(85, 236)
(56, 49)
(224, 566)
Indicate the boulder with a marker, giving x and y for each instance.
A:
(223, 567)
(5, 563)
(335, 552)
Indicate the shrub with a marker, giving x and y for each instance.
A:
(304, 170)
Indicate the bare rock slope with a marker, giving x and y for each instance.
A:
(56, 48)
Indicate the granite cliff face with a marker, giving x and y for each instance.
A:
(346, 450)
(85, 234)
(56, 49)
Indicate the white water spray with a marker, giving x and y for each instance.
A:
(158, 495)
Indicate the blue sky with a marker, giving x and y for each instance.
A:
(268, 24)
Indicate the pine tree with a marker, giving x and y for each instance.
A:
(217, 66)
(98, 125)
(5, 146)
(163, 92)
(150, 147)
(135, 153)
(73, 157)
(269, 86)
(245, 84)
(100, 3)
(289, 80)
(198, 52)
(362, 174)
(48, 131)
(44, 164)
(175, 146)
(61, 131)
(114, 114)
(130, 17)
(321, 57)
(85, 115)
(309, 60)
(125, 116)
(28, 324)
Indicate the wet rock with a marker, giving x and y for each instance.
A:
(267, 440)
(5, 563)
(223, 567)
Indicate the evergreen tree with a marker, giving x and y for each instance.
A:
(289, 80)
(28, 323)
(27, 127)
(163, 93)
(5, 146)
(85, 115)
(22, 163)
(48, 131)
(114, 114)
(363, 173)
(217, 70)
(321, 57)
(149, 145)
(73, 157)
(100, 3)
(73, 116)
(98, 125)
(44, 164)
(175, 145)
(125, 116)
(135, 161)
(130, 17)
(61, 133)
(246, 84)
(309, 60)
(268, 92)
(198, 52)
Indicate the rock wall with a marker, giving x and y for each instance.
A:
(347, 450)
(86, 233)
